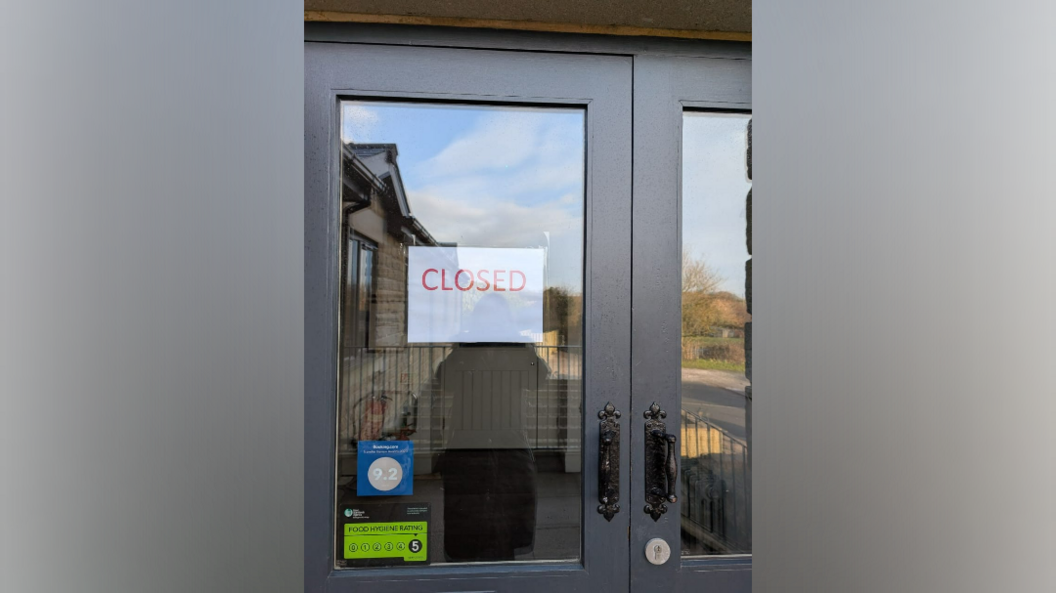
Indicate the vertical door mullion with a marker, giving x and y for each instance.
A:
(663, 87)
(607, 361)
(655, 293)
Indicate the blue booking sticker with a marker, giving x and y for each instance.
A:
(385, 468)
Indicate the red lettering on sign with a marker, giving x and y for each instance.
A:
(468, 286)
(426, 286)
(483, 280)
(524, 280)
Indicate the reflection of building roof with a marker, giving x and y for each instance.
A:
(371, 169)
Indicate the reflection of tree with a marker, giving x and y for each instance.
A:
(699, 285)
(731, 309)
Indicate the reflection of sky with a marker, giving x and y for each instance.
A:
(488, 177)
(714, 188)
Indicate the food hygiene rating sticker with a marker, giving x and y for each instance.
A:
(381, 535)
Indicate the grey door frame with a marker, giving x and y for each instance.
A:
(669, 76)
(601, 85)
(665, 87)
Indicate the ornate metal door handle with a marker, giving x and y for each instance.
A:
(609, 461)
(661, 467)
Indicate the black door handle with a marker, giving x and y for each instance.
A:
(609, 461)
(661, 466)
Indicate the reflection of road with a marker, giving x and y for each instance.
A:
(716, 396)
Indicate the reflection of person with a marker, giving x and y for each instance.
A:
(487, 467)
(490, 321)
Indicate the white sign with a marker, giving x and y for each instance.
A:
(474, 294)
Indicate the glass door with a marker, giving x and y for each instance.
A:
(691, 347)
(467, 319)
(462, 334)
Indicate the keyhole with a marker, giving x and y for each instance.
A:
(656, 551)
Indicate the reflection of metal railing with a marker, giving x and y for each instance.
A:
(395, 393)
(714, 489)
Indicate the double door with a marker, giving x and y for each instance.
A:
(526, 320)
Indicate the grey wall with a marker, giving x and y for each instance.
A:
(902, 208)
(151, 302)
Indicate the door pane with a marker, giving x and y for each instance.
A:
(715, 471)
(459, 407)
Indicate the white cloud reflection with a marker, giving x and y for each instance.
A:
(514, 178)
(499, 140)
(512, 153)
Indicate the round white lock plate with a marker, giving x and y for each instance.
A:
(657, 551)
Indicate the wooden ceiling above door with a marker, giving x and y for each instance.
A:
(710, 19)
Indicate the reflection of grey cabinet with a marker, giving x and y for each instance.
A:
(489, 390)
(509, 397)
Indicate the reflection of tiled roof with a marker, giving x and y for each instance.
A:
(376, 157)
(355, 172)
(380, 161)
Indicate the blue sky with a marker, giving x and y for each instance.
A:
(508, 177)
